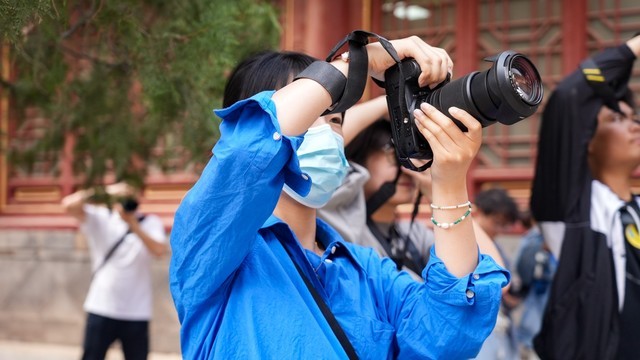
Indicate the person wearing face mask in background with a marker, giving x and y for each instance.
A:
(121, 243)
(365, 212)
(372, 160)
(255, 274)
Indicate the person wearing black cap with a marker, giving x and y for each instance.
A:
(589, 148)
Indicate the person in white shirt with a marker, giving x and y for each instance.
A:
(121, 243)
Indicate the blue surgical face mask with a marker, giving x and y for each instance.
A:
(321, 156)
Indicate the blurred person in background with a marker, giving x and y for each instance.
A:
(122, 242)
(582, 198)
(496, 212)
(364, 209)
(534, 269)
(371, 220)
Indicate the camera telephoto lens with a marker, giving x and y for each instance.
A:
(525, 81)
(509, 91)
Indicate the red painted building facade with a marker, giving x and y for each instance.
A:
(555, 35)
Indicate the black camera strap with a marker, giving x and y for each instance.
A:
(356, 81)
(358, 65)
(326, 311)
(345, 92)
(115, 246)
(386, 191)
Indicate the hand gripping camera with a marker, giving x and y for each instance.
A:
(508, 92)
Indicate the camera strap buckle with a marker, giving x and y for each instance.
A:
(406, 162)
(358, 66)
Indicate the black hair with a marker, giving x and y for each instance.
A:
(497, 202)
(267, 70)
(526, 219)
(374, 138)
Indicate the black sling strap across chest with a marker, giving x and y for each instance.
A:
(410, 256)
(115, 246)
(326, 311)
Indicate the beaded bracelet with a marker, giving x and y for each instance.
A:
(445, 225)
(451, 207)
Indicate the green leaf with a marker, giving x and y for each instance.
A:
(134, 82)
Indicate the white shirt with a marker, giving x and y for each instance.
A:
(121, 289)
(605, 219)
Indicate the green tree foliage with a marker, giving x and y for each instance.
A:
(16, 14)
(131, 83)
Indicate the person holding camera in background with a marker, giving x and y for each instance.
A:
(372, 162)
(364, 208)
(255, 274)
(121, 244)
(589, 149)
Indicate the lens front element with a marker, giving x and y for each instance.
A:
(525, 80)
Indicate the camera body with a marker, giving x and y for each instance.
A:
(508, 92)
(129, 204)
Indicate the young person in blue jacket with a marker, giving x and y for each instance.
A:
(250, 220)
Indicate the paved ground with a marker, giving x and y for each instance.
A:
(10, 350)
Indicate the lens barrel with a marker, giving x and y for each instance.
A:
(508, 92)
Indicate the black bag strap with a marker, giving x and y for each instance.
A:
(414, 263)
(328, 315)
(383, 240)
(115, 247)
(386, 191)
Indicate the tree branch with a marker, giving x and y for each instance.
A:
(124, 66)
(88, 16)
(7, 84)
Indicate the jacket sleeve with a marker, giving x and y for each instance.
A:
(562, 178)
(217, 222)
(445, 317)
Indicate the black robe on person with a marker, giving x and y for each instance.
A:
(581, 319)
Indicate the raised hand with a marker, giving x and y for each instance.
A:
(453, 149)
(434, 62)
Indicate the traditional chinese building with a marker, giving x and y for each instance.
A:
(555, 35)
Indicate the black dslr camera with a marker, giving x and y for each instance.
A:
(508, 92)
(129, 204)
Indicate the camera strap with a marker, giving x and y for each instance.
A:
(358, 66)
(384, 193)
(357, 77)
(404, 254)
(115, 247)
(326, 311)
